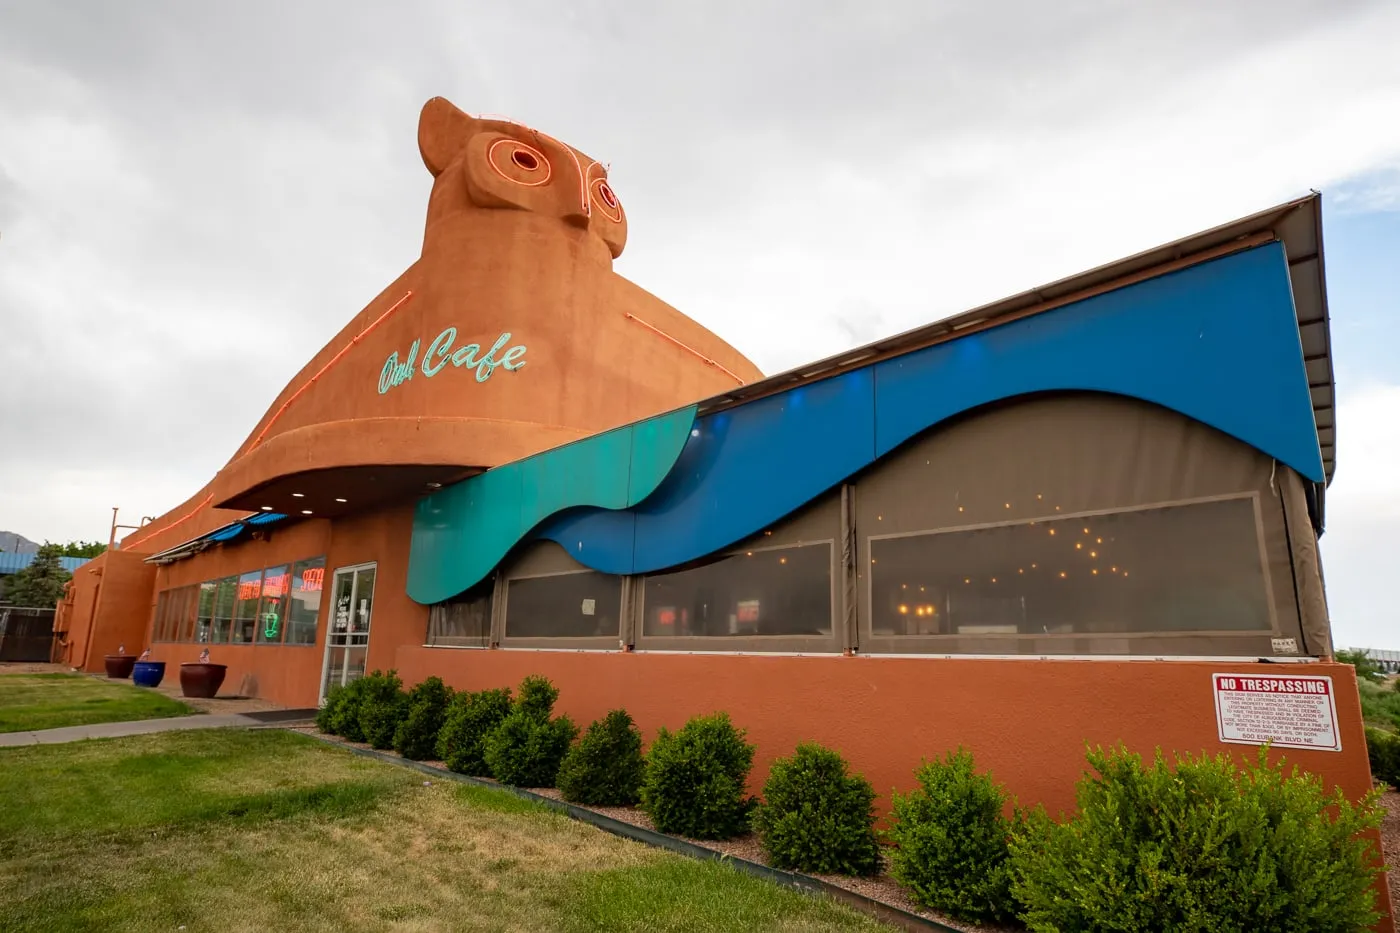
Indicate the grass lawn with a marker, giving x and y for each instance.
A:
(269, 830)
(29, 702)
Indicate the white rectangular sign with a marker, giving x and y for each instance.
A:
(1286, 710)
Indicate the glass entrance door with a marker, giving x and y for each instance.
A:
(347, 632)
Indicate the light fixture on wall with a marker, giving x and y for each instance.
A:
(338, 499)
(298, 495)
(267, 508)
(306, 511)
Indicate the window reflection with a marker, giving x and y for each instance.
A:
(224, 598)
(464, 620)
(246, 608)
(307, 579)
(781, 591)
(1178, 568)
(272, 610)
(565, 605)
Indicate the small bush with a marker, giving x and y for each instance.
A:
(605, 768)
(382, 708)
(815, 817)
(330, 709)
(951, 841)
(527, 747)
(1202, 846)
(344, 720)
(536, 697)
(1383, 748)
(417, 735)
(471, 717)
(694, 783)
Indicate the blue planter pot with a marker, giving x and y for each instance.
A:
(148, 673)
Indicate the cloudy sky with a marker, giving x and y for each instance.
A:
(193, 198)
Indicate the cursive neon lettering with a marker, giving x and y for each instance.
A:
(487, 366)
(438, 348)
(440, 353)
(508, 359)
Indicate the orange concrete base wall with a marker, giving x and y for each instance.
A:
(290, 676)
(1027, 721)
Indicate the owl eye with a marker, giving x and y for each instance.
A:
(605, 200)
(519, 163)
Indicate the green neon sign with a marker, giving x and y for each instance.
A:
(271, 622)
(440, 354)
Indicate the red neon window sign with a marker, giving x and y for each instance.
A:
(312, 578)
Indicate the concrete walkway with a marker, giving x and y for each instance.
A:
(113, 730)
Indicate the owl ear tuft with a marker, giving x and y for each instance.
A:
(443, 131)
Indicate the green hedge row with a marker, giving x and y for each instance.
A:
(1197, 844)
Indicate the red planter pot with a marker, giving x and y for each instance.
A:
(201, 680)
(119, 665)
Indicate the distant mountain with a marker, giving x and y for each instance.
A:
(16, 543)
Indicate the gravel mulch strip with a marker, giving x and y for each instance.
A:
(1390, 839)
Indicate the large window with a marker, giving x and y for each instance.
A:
(182, 628)
(204, 621)
(245, 612)
(1177, 568)
(277, 605)
(160, 631)
(463, 621)
(783, 591)
(308, 577)
(225, 596)
(581, 604)
(272, 611)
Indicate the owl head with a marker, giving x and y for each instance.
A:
(499, 165)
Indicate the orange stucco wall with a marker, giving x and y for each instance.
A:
(123, 591)
(1027, 721)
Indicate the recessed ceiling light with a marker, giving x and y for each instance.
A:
(267, 508)
(306, 511)
(298, 495)
(435, 485)
(340, 500)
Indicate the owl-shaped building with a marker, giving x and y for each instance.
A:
(1087, 513)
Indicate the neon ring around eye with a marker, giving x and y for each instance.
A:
(522, 158)
(605, 199)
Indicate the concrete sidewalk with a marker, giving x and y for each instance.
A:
(113, 730)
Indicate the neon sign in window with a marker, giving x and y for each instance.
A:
(312, 578)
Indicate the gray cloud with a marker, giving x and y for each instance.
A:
(194, 198)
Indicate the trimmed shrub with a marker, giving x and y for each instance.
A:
(536, 697)
(471, 717)
(382, 708)
(527, 747)
(417, 735)
(816, 817)
(326, 715)
(694, 784)
(1202, 846)
(344, 719)
(1383, 748)
(951, 841)
(605, 768)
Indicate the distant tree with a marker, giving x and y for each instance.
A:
(88, 549)
(39, 585)
(1366, 667)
